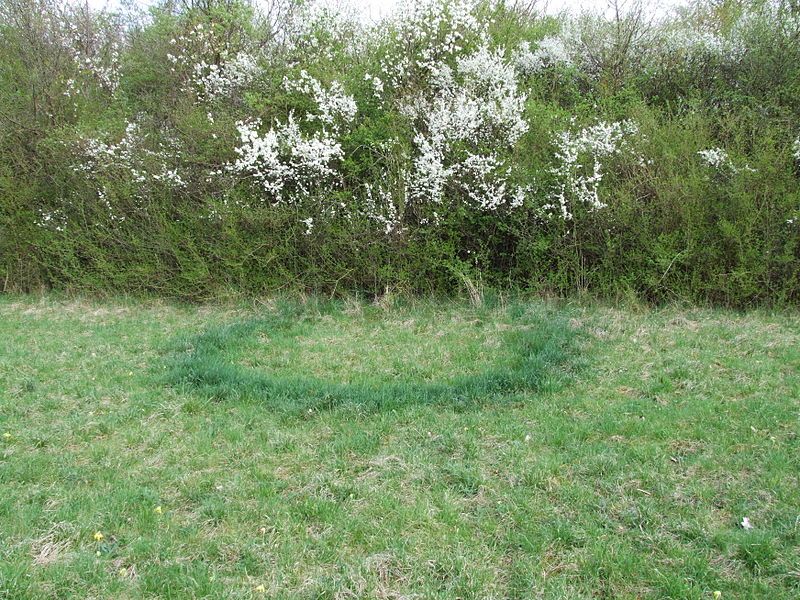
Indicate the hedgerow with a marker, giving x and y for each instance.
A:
(226, 147)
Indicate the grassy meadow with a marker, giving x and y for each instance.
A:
(414, 449)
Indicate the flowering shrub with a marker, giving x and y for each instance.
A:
(465, 110)
(210, 67)
(437, 32)
(288, 164)
(98, 61)
(54, 219)
(132, 158)
(550, 52)
(333, 106)
(222, 148)
(317, 32)
(580, 159)
(716, 158)
(220, 80)
(695, 45)
(130, 165)
(475, 107)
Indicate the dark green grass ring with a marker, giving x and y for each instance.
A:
(539, 355)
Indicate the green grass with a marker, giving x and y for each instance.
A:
(320, 357)
(625, 477)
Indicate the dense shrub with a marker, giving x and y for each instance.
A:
(192, 152)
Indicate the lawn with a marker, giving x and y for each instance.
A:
(406, 450)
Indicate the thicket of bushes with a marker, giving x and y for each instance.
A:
(218, 147)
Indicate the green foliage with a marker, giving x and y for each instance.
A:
(673, 229)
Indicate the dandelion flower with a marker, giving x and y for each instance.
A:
(98, 536)
(158, 510)
(260, 588)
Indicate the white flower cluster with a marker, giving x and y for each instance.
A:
(211, 68)
(435, 32)
(700, 43)
(130, 154)
(129, 159)
(550, 52)
(592, 43)
(334, 107)
(287, 163)
(796, 149)
(322, 31)
(461, 100)
(717, 158)
(588, 40)
(382, 210)
(478, 106)
(580, 168)
(221, 80)
(377, 84)
(104, 69)
(52, 219)
(96, 57)
(695, 43)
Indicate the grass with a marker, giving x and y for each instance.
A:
(318, 357)
(628, 478)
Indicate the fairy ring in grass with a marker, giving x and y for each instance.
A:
(300, 358)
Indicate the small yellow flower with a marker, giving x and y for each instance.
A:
(123, 572)
(7, 435)
(717, 595)
(98, 536)
(261, 589)
(158, 510)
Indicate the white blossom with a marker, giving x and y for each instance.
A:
(210, 67)
(132, 158)
(287, 164)
(377, 84)
(333, 105)
(437, 31)
(221, 80)
(550, 52)
(580, 170)
(52, 219)
(717, 158)
(381, 208)
(479, 104)
(98, 59)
